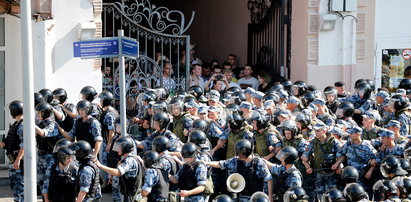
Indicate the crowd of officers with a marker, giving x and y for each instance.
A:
(291, 143)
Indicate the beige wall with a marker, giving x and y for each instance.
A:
(219, 27)
(352, 45)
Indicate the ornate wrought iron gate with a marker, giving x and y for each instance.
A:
(159, 32)
(269, 36)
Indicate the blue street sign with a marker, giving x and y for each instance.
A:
(97, 48)
(129, 47)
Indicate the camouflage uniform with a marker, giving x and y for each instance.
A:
(405, 120)
(16, 176)
(174, 141)
(46, 159)
(325, 178)
(95, 129)
(370, 134)
(181, 122)
(128, 168)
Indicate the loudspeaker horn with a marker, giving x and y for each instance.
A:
(235, 183)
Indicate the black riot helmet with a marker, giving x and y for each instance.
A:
(299, 88)
(404, 185)
(189, 98)
(359, 82)
(106, 98)
(274, 97)
(84, 104)
(61, 143)
(235, 121)
(345, 109)
(371, 83)
(196, 91)
(289, 125)
(45, 108)
(243, 147)
(405, 84)
(400, 102)
(289, 153)
(303, 119)
(364, 90)
(333, 195)
(200, 124)
(238, 97)
(276, 87)
(355, 192)
(287, 85)
(223, 198)
(47, 94)
(405, 164)
(386, 187)
(38, 98)
(330, 90)
(295, 194)
(198, 137)
(189, 150)
(16, 108)
(233, 107)
(162, 118)
(63, 153)
(233, 89)
(261, 120)
(349, 175)
(177, 101)
(152, 96)
(82, 150)
(391, 166)
(124, 143)
(161, 93)
(151, 158)
(160, 144)
(60, 94)
(307, 98)
(89, 93)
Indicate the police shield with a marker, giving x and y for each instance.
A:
(235, 183)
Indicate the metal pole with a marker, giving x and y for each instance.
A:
(188, 64)
(122, 84)
(30, 173)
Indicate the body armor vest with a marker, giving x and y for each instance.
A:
(232, 139)
(96, 111)
(295, 142)
(95, 181)
(159, 192)
(178, 127)
(282, 178)
(45, 145)
(128, 185)
(12, 140)
(68, 122)
(188, 180)
(62, 186)
(253, 182)
(372, 134)
(324, 155)
(112, 156)
(261, 142)
(83, 131)
(104, 127)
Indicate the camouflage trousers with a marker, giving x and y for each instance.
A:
(16, 183)
(324, 182)
(43, 162)
(115, 185)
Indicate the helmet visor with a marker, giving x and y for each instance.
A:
(361, 92)
(117, 147)
(280, 155)
(339, 113)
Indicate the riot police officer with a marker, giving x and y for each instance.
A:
(400, 105)
(160, 123)
(295, 194)
(128, 168)
(88, 183)
(13, 144)
(287, 174)
(323, 150)
(192, 176)
(47, 136)
(156, 180)
(60, 183)
(386, 190)
(251, 167)
(333, 195)
(355, 192)
(89, 93)
(181, 120)
(267, 140)
(237, 132)
(68, 109)
(86, 127)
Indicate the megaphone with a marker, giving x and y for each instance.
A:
(235, 183)
(259, 196)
